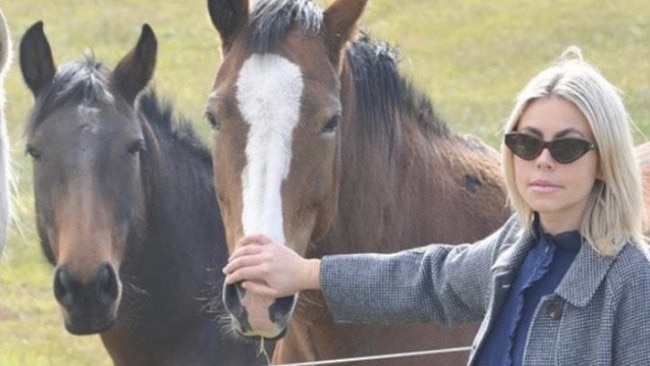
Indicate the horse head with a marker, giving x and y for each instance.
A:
(275, 110)
(85, 140)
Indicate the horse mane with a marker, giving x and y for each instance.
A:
(170, 126)
(384, 96)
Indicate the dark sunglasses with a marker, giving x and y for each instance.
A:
(563, 150)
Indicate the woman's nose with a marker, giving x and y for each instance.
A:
(545, 160)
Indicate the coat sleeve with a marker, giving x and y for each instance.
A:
(447, 284)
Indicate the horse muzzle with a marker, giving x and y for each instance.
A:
(258, 316)
(88, 306)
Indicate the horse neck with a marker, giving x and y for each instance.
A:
(182, 233)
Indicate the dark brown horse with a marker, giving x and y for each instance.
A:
(319, 143)
(125, 210)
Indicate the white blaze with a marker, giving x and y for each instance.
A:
(269, 88)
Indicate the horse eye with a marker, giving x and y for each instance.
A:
(331, 124)
(33, 152)
(212, 120)
(135, 147)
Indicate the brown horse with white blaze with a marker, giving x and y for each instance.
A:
(320, 144)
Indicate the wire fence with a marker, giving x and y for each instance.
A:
(379, 357)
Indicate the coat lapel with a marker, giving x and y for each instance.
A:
(584, 276)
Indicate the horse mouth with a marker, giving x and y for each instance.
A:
(257, 316)
(85, 324)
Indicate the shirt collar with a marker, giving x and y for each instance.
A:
(570, 241)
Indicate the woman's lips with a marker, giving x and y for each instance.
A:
(543, 186)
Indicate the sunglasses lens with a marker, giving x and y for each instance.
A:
(568, 150)
(524, 146)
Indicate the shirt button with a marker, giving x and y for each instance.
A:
(554, 310)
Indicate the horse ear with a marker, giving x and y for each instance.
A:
(340, 21)
(136, 68)
(228, 17)
(36, 61)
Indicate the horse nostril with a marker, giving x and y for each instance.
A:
(71, 292)
(107, 285)
(65, 285)
(232, 299)
(281, 307)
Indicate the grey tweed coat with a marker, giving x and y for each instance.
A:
(598, 315)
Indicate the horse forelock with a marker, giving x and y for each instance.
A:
(270, 20)
(86, 79)
(85, 82)
(384, 97)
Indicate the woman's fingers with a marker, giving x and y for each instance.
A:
(264, 267)
(245, 251)
(253, 239)
(249, 245)
(247, 262)
(259, 288)
(237, 275)
(242, 259)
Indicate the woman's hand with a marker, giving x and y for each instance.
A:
(270, 269)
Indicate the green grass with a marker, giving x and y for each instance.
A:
(471, 57)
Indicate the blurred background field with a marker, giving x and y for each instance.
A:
(470, 56)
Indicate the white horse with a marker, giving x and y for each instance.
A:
(5, 60)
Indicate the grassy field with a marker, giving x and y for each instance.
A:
(471, 56)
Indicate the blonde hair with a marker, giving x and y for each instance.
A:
(615, 212)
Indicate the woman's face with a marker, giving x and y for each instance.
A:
(558, 192)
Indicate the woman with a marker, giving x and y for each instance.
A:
(565, 281)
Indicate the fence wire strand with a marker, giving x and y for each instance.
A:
(378, 357)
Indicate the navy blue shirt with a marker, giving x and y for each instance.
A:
(541, 272)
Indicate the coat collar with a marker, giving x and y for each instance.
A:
(513, 256)
(581, 280)
(584, 276)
